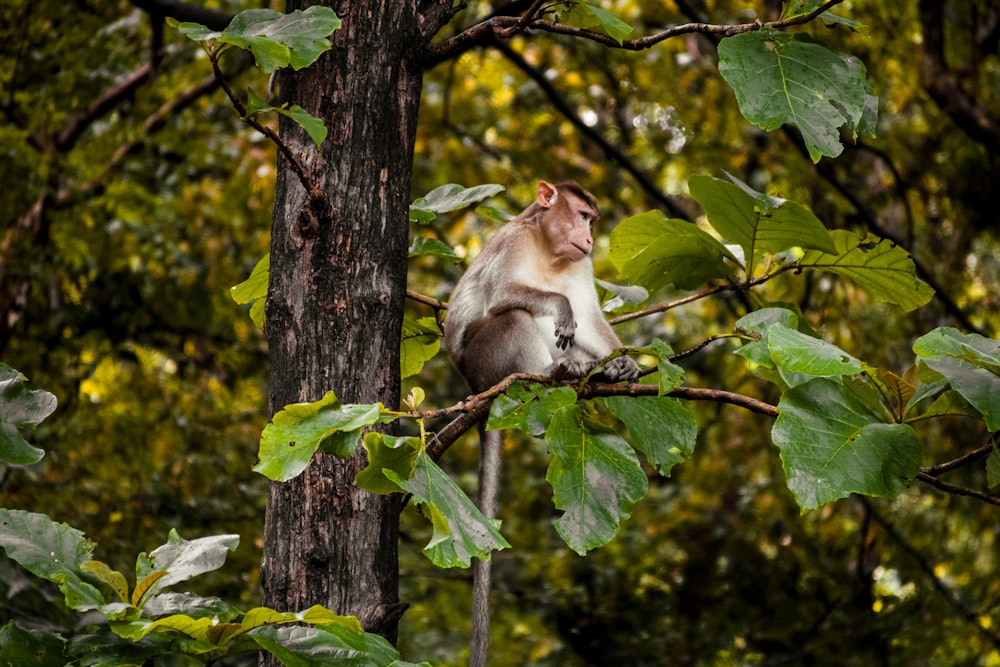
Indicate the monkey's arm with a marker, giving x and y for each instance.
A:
(537, 302)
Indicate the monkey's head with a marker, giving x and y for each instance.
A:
(566, 214)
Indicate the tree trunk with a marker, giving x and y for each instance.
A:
(335, 306)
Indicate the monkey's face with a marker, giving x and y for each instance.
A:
(567, 225)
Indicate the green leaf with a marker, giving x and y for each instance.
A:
(880, 267)
(579, 14)
(20, 407)
(313, 126)
(595, 478)
(420, 342)
(450, 197)
(385, 452)
(654, 251)
(183, 559)
(195, 606)
(758, 324)
(970, 363)
(333, 644)
(38, 648)
(624, 295)
(53, 551)
(253, 290)
(528, 407)
(295, 433)
(276, 40)
(993, 469)
(833, 444)
(113, 578)
(758, 223)
(669, 375)
(423, 245)
(796, 352)
(662, 428)
(103, 648)
(781, 78)
(460, 529)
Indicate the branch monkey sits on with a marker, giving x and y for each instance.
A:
(528, 305)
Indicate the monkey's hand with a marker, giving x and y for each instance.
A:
(565, 331)
(622, 368)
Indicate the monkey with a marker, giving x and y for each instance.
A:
(527, 304)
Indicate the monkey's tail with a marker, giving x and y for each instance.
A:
(491, 445)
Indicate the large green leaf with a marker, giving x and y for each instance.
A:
(420, 342)
(53, 551)
(595, 477)
(654, 251)
(276, 40)
(20, 407)
(460, 529)
(179, 560)
(662, 428)
(970, 363)
(326, 645)
(879, 266)
(833, 444)
(450, 197)
(757, 222)
(295, 433)
(781, 78)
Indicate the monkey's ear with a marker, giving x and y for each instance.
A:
(547, 194)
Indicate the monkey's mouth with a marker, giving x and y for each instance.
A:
(583, 251)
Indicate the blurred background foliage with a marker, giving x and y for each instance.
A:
(124, 225)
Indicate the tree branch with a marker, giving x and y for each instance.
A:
(475, 408)
(185, 11)
(965, 459)
(502, 27)
(672, 207)
(956, 490)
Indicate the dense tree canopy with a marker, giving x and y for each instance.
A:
(136, 199)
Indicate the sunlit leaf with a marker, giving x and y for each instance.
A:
(385, 452)
(461, 532)
(253, 290)
(584, 15)
(758, 222)
(295, 433)
(880, 267)
(654, 251)
(993, 469)
(420, 342)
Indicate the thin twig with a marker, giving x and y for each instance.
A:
(315, 192)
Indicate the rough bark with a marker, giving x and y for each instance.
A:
(335, 305)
